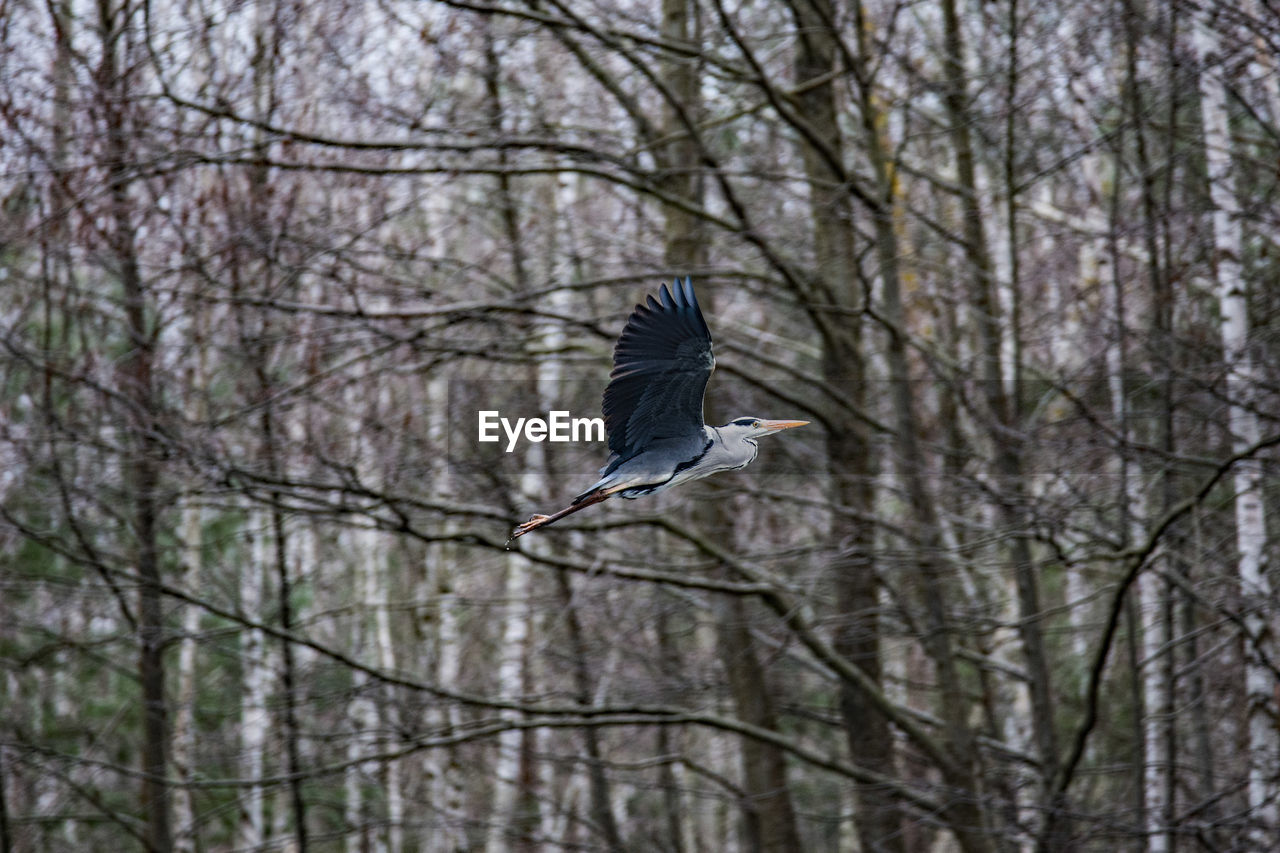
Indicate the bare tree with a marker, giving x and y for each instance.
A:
(1216, 56)
(137, 386)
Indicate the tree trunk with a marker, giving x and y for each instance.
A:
(142, 469)
(601, 808)
(516, 813)
(964, 813)
(254, 714)
(677, 827)
(1005, 429)
(1242, 382)
(444, 641)
(850, 459)
(1132, 500)
(377, 594)
(184, 733)
(1154, 601)
(684, 252)
(512, 777)
(685, 249)
(288, 667)
(770, 821)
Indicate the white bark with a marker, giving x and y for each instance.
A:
(379, 596)
(519, 616)
(1155, 692)
(375, 718)
(1155, 792)
(359, 714)
(511, 657)
(365, 553)
(183, 746)
(440, 769)
(184, 738)
(371, 710)
(1255, 586)
(512, 650)
(254, 715)
(1154, 639)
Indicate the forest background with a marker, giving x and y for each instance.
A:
(261, 263)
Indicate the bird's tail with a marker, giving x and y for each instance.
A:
(586, 495)
(607, 483)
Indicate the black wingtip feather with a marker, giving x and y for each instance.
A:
(664, 296)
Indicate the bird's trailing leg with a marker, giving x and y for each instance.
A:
(587, 500)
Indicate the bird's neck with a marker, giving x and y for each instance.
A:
(737, 444)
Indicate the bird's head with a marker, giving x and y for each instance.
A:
(750, 428)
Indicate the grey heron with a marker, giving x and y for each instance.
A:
(653, 408)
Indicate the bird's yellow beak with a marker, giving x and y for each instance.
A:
(778, 426)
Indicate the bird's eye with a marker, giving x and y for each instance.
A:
(755, 424)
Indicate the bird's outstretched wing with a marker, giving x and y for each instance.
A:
(661, 364)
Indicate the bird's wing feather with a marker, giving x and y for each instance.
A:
(660, 369)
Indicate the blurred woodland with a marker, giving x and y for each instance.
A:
(262, 262)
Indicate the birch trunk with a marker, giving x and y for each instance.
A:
(1242, 378)
(273, 427)
(364, 552)
(513, 814)
(1153, 594)
(363, 718)
(384, 654)
(379, 593)
(1132, 500)
(192, 539)
(254, 714)
(510, 785)
(184, 735)
(440, 769)
(1157, 704)
(561, 201)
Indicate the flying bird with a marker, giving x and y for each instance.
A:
(653, 408)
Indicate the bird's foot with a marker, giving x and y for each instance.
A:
(533, 523)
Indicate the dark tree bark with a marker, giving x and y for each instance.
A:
(965, 814)
(601, 809)
(684, 251)
(679, 160)
(768, 818)
(142, 472)
(850, 458)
